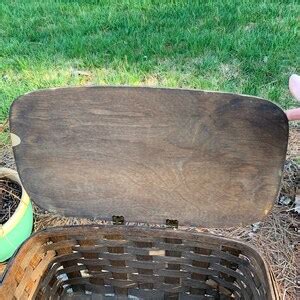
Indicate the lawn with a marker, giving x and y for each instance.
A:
(245, 46)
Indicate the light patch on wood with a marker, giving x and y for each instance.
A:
(15, 140)
(157, 253)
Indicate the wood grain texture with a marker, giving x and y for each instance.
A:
(148, 154)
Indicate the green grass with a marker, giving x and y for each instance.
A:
(245, 46)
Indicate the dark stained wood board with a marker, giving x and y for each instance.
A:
(150, 154)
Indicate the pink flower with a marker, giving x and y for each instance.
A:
(294, 86)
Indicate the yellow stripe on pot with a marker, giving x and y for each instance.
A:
(21, 209)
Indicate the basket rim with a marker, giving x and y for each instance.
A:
(171, 233)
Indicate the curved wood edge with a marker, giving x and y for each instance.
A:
(193, 221)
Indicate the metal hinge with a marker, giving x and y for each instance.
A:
(172, 223)
(118, 220)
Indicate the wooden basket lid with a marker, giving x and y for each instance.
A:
(150, 154)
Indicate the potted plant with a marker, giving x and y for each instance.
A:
(16, 215)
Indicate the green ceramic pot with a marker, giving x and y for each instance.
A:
(19, 227)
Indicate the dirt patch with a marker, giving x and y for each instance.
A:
(10, 197)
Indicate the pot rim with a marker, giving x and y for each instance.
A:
(21, 209)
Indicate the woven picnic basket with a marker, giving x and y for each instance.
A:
(155, 164)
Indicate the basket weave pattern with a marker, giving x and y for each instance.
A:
(103, 262)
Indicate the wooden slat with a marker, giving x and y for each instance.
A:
(148, 154)
(2, 268)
